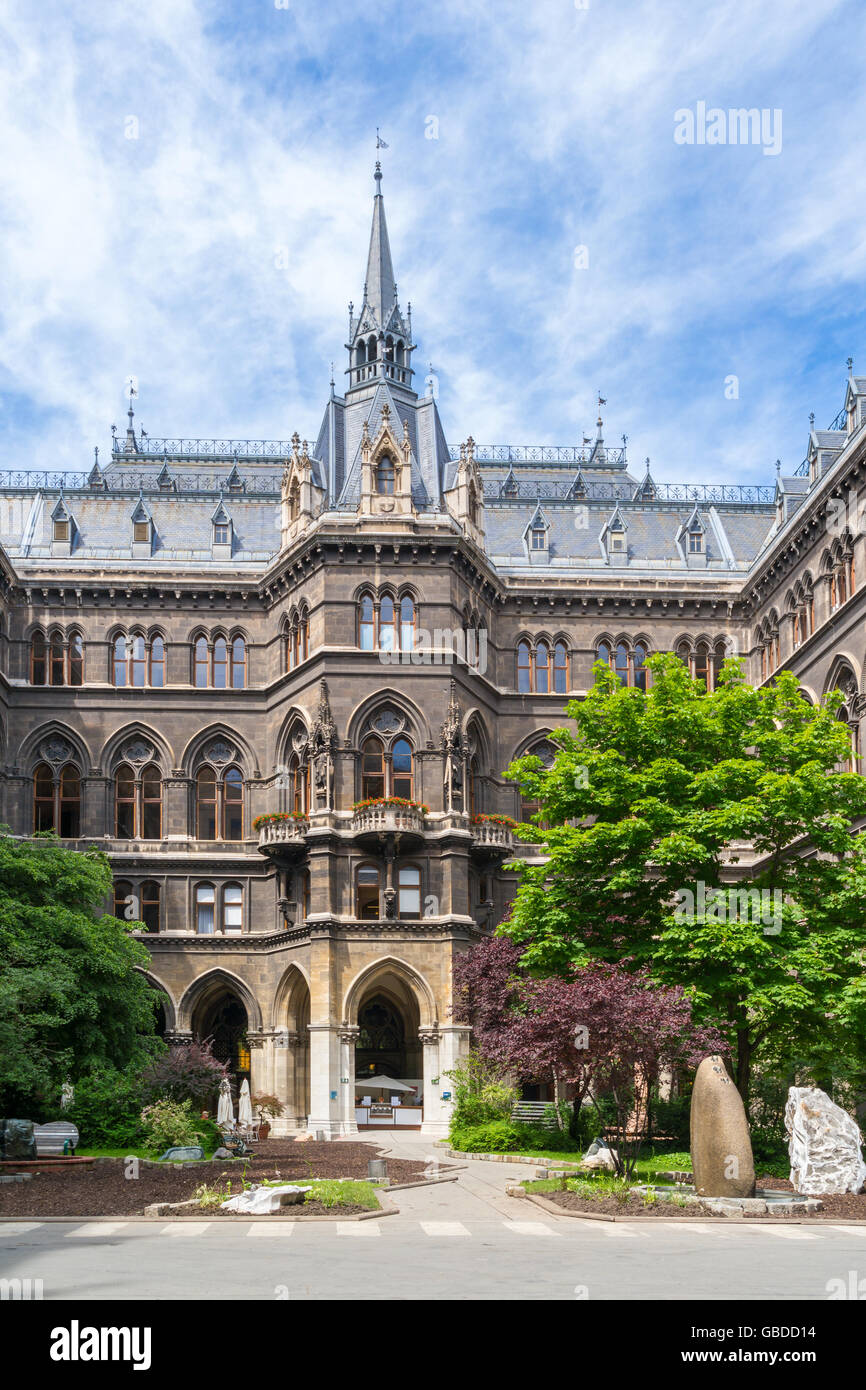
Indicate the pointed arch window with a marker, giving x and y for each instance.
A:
(542, 668)
(401, 768)
(367, 623)
(206, 804)
(123, 893)
(151, 803)
(621, 662)
(387, 625)
(367, 892)
(639, 667)
(524, 668)
(200, 663)
(76, 659)
(124, 803)
(70, 802)
(239, 663)
(474, 786)
(603, 653)
(38, 660)
(233, 804)
(407, 624)
(372, 769)
(138, 803)
(137, 661)
(220, 664)
(702, 665)
(44, 799)
(560, 668)
(57, 662)
(150, 896)
(299, 774)
(157, 662)
(385, 476)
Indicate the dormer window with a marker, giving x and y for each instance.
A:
(385, 477)
(616, 538)
(696, 542)
(141, 532)
(220, 534)
(61, 531)
(538, 538)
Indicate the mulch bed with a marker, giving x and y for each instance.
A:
(847, 1206)
(103, 1190)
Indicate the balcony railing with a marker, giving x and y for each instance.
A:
(394, 819)
(288, 833)
(489, 835)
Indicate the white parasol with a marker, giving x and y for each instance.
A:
(382, 1083)
(225, 1109)
(245, 1106)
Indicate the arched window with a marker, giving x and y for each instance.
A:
(157, 662)
(233, 804)
(151, 803)
(57, 659)
(639, 666)
(44, 810)
(560, 668)
(367, 623)
(220, 664)
(232, 907)
(76, 659)
(385, 476)
(206, 804)
(124, 803)
(684, 654)
(200, 663)
(603, 653)
(239, 663)
(474, 787)
(542, 668)
(409, 891)
(702, 665)
(367, 892)
(524, 668)
(372, 769)
(387, 625)
(401, 768)
(300, 788)
(123, 893)
(150, 906)
(407, 624)
(621, 662)
(205, 909)
(120, 660)
(70, 803)
(137, 661)
(38, 660)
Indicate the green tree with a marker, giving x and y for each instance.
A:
(72, 998)
(655, 802)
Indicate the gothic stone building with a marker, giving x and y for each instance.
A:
(204, 632)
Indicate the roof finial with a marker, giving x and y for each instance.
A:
(811, 420)
(850, 365)
(602, 400)
(778, 467)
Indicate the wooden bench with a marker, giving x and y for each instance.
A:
(50, 1139)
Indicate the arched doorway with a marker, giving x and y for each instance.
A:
(223, 1018)
(387, 1044)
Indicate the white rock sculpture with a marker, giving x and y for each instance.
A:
(258, 1201)
(823, 1144)
(599, 1156)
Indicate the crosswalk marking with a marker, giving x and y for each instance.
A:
(850, 1230)
(444, 1228)
(530, 1228)
(18, 1228)
(789, 1233)
(279, 1228)
(98, 1228)
(186, 1228)
(358, 1228)
(613, 1228)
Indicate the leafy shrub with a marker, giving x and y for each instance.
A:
(671, 1118)
(170, 1123)
(770, 1153)
(190, 1072)
(482, 1093)
(210, 1137)
(506, 1136)
(106, 1109)
(212, 1195)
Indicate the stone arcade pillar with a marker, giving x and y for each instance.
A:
(328, 1052)
(442, 1049)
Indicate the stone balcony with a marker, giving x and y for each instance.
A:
(490, 838)
(388, 820)
(284, 837)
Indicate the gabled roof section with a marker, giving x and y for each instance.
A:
(234, 481)
(537, 522)
(96, 477)
(61, 510)
(165, 479)
(141, 511)
(220, 517)
(646, 490)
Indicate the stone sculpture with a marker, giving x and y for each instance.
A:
(823, 1144)
(721, 1146)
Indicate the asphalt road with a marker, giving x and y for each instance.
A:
(437, 1256)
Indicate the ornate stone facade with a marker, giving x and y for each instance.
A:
(204, 632)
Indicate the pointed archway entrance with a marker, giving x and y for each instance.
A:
(387, 1045)
(221, 1016)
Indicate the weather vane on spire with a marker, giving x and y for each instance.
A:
(380, 143)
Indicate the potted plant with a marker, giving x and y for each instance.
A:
(267, 1105)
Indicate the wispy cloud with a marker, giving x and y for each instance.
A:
(186, 197)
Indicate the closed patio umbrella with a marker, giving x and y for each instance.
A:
(245, 1107)
(225, 1109)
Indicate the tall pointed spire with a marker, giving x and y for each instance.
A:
(381, 291)
(380, 338)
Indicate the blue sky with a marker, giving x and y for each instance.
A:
(213, 254)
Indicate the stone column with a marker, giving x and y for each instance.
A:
(262, 1062)
(346, 1079)
(821, 594)
(325, 1046)
(435, 1121)
(453, 1044)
